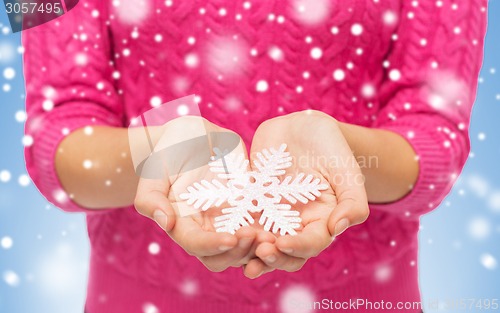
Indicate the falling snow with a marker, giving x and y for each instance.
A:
(27, 140)
(295, 294)
(9, 73)
(131, 11)
(227, 55)
(478, 185)
(368, 91)
(488, 261)
(189, 287)
(81, 59)
(339, 75)
(276, 54)
(383, 273)
(447, 91)
(88, 130)
(154, 248)
(11, 278)
(192, 60)
(7, 53)
(311, 12)
(5, 176)
(233, 103)
(21, 116)
(24, 180)
(390, 18)
(6, 242)
(316, 53)
(61, 196)
(479, 228)
(262, 86)
(150, 308)
(57, 270)
(357, 29)
(494, 201)
(182, 110)
(87, 164)
(394, 75)
(155, 101)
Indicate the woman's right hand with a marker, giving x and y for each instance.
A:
(158, 198)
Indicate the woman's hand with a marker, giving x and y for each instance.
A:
(318, 147)
(158, 198)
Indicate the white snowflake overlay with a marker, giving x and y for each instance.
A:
(259, 191)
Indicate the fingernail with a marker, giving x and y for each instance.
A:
(160, 218)
(224, 248)
(271, 258)
(341, 226)
(244, 242)
(286, 250)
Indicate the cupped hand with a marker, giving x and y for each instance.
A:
(318, 148)
(167, 176)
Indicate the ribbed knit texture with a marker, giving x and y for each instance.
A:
(412, 69)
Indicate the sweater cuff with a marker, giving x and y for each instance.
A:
(40, 157)
(438, 169)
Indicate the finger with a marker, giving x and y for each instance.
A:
(261, 236)
(256, 268)
(151, 202)
(265, 236)
(308, 243)
(198, 242)
(352, 202)
(247, 236)
(235, 256)
(274, 258)
(349, 211)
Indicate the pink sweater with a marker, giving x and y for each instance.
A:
(407, 66)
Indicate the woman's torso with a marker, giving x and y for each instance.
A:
(249, 63)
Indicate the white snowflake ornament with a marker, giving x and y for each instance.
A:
(259, 191)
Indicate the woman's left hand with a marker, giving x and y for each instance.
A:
(318, 147)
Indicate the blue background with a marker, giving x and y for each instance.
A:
(45, 269)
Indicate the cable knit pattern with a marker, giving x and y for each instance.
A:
(411, 69)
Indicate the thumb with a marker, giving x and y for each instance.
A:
(155, 205)
(347, 213)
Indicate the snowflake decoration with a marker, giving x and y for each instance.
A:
(259, 191)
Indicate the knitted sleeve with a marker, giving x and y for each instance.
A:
(427, 97)
(69, 85)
